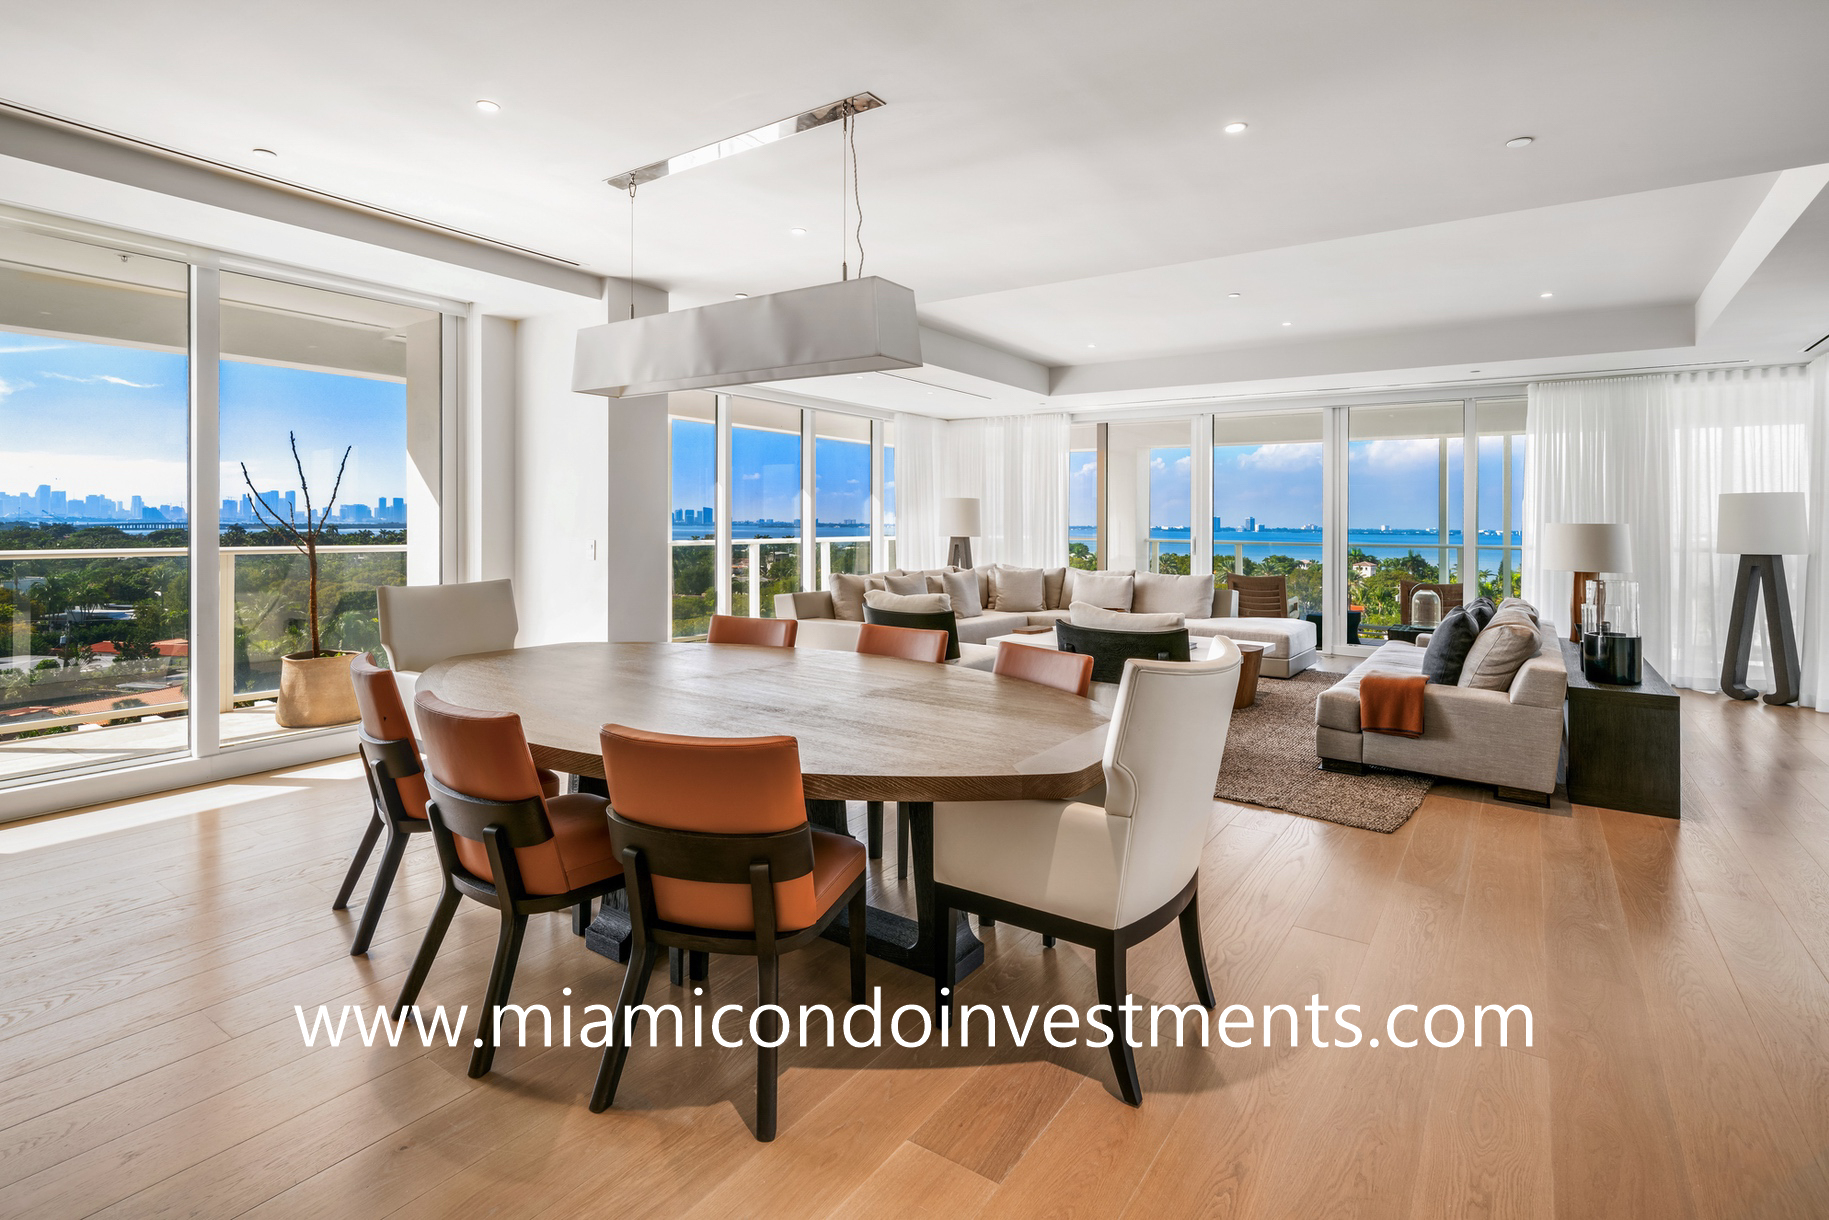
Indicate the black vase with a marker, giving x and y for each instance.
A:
(1613, 659)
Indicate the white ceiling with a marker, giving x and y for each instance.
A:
(1045, 175)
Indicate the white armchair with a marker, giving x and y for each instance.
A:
(422, 625)
(1105, 876)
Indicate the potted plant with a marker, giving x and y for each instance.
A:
(315, 687)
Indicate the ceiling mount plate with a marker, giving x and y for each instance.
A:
(806, 120)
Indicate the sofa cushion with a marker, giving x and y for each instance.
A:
(848, 595)
(907, 585)
(1338, 705)
(1282, 638)
(1159, 593)
(1053, 580)
(1085, 614)
(1017, 590)
(962, 587)
(908, 603)
(989, 625)
(1508, 642)
(1518, 603)
(1448, 646)
(1109, 590)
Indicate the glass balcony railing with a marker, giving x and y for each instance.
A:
(695, 594)
(98, 659)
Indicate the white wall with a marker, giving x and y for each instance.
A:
(489, 449)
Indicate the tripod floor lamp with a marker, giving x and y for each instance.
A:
(1762, 527)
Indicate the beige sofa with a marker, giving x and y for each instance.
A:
(1511, 739)
(1289, 643)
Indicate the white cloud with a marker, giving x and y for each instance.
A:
(1283, 457)
(32, 347)
(111, 380)
(12, 387)
(1399, 454)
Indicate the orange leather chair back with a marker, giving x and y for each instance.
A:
(712, 785)
(384, 718)
(1260, 596)
(485, 754)
(909, 643)
(766, 632)
(1068, 671)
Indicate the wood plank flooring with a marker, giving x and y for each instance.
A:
(1677, 974)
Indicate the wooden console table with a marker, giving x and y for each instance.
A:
(1625, 742)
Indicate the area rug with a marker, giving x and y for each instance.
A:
(1270, 761)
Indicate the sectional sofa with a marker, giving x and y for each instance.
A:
(830, 618)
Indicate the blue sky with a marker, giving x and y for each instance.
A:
(94, 419)
(766, 473)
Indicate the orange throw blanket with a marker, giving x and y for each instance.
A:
(1392, 703)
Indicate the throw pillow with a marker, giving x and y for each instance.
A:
(1110, 590)
(962, 589)
(1018, 590)
(1157, 593)
(1511, 639)
(1083, 614)
(1482, 611)
(1448, 646)
(848, 595)
(1519, 603)
(1053, 579)
(912, 583)
(908, 603)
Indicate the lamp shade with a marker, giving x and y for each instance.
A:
(1762, 523)
(1587, 547)
(959, 517)
(853, 326)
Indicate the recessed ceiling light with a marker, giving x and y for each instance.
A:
(798, 232)
(1289, 324)
(1233, 296)
(742, 294)
(265, 152)
(1546, 295)
(486, 106)
(1473, 370)
(1520, 141)
(1233, 129)
(1092, 345)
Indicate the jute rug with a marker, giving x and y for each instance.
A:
(1270, 761)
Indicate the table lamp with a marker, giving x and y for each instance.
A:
(959, 518)
(1587, 549)
(1761, 527)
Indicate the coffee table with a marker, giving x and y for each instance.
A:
(1199, 646)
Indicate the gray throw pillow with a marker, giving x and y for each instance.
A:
(962, 588)
(1160, 593)
(1019, 590)
(1482, 611)
(912, 583)
(1449, 645)
(1511, 639)
(1053, 579)
(908, 603)
(848, 595)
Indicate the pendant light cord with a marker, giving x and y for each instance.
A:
(844, 214)
(851, 138)
(631, 251)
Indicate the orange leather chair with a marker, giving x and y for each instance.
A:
(909, 643)
(1068, 671)
(397, 794)
(502, 842)
(713, 838)
(765, 632)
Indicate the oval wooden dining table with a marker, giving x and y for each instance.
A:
(870, 729)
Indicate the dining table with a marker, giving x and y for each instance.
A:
(869, 728)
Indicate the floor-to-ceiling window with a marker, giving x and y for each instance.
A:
(94, 520)
(1404, 507)
(353, 385)
(888, 495)
(1150, 497)
(693, 444)
(765, 505)
(1083, 496)
(1501, 484)
(841, 494)
(1267, 501)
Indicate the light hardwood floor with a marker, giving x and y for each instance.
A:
(152, 1064)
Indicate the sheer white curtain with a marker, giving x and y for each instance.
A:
(1025, 490)
(1655, 453)
(1813, 614)
(918, 488)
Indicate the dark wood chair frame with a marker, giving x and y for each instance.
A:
(501, 826)
(1110, 948)
(385, 764)
(1110, 649)
(687, 855)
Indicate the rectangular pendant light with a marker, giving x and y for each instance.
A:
(852, 326)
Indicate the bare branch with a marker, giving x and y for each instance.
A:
(339, 483)
(259, 505)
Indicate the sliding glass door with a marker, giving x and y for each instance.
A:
(1501, 483)
(1404, 506)
(1267, 501)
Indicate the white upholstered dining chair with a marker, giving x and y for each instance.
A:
(1106, 876)
(422, 625)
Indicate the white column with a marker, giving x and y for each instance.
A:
(720, 566)
(207, 677)
(809, 532)
(1200, 496)
(430, 365)
(1334, 527)
(1470, 501)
